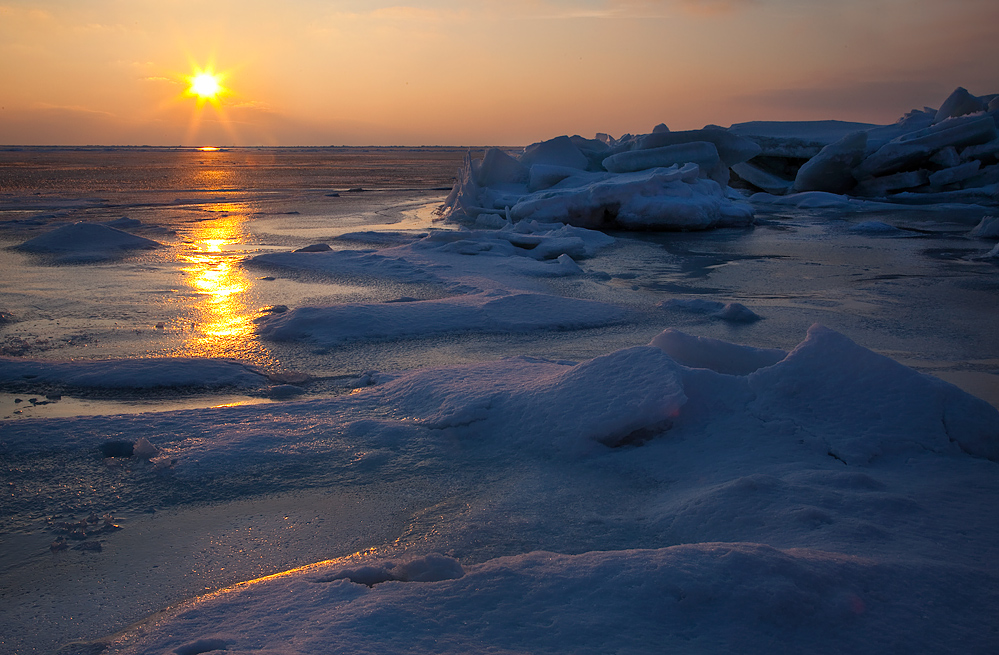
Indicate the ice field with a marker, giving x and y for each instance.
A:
(726, 390)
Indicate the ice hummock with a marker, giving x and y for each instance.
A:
(928, 155)
(659, 181)
(683, 180)
(789, 501)
(86, 242)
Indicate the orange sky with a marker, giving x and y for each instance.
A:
(323, 72)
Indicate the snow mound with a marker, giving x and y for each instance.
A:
(87, 242)
(987, 228)
(496, 311)
(992, 254)
(430, 568)
(622, 398)
(732, 312)
(866, 405)
(697, 598)
(716, 355)
(152, 373)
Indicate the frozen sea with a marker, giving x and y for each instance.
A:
(414, 442)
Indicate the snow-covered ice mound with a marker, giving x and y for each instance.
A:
(495, 271)
(462, 259)
(714, 597)
(481, 312)
(732, 312)
(87, 242)
(987, 228)
(151, 373)
(659, 181)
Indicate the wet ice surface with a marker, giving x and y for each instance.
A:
(251, 508)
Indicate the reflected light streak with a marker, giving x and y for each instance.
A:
(222, 325)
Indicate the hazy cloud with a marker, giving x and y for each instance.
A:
(692, 7)
(887, 98)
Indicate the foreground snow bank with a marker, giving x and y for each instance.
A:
(713, 597)
(712, 497)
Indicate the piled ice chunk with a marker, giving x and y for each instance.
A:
(953, 150)
(659, 181)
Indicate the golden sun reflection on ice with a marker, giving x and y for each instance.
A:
(223, 321)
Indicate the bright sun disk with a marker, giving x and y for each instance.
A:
(205, 85)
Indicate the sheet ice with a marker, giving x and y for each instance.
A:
(749, 500)
(150, 373)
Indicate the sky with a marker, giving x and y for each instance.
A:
(472, 72)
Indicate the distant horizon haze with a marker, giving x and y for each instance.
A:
(441, 72)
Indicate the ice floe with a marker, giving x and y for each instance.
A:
(481, 312)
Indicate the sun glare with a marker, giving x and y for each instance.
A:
(205, 85)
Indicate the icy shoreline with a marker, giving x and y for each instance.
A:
(519, 435)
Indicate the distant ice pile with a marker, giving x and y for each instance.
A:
(660, 181)
(929, 155)
(683, 180)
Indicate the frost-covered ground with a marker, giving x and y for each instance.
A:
(512, 436)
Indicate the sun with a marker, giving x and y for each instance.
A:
(205, 85)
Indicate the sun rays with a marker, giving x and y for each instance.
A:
(206, 85)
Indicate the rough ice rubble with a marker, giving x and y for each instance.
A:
(949, 154)
(680, 180)
(659, 181)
